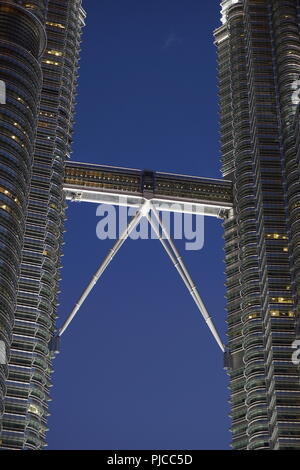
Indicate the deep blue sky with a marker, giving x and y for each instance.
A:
(138, 368)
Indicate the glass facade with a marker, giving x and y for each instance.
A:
(22, 42)
(24, 422)
(259, 60)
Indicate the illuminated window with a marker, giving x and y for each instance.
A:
(275, 313)
(277, 236)
(34, 409)
(5, 207)
(9, 194)
(50, 62)
(55, 25)
(282, 300)
(278, 313)
(253, 315)
(54, 52)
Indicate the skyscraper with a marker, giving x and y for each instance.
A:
(259, 68)
(47, 120)
(22, 43)
(259, 61)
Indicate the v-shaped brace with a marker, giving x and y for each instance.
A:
(169, 246)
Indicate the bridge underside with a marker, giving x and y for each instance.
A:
(130, 187)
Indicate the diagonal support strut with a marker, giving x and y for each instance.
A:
(178, 262)
(111, 254)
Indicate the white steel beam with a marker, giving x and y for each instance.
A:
(169, 205)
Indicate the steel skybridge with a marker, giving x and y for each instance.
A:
(150, 192)
(105, 184)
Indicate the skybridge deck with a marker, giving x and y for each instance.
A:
(124, 186)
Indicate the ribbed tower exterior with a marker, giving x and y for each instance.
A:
(24, 422)
(259, 62)
(22, 43)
